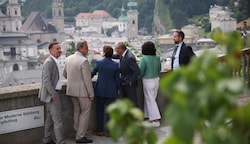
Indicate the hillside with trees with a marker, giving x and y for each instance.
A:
(153, 14)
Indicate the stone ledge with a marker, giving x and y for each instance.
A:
(19, 91)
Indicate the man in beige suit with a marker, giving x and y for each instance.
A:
(80, 89)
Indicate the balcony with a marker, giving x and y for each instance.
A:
(15, 98)
(25, 97)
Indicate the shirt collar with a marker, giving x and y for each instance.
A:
(124, 52)
(55, 59)
(180, 44)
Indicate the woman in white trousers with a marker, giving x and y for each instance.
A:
(150, 67)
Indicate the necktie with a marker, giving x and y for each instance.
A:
(121, 59)
(175, 49)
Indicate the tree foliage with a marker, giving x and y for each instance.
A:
(180, 10)
(127, 120)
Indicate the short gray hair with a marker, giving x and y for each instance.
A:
(120, 45)
(80, 44)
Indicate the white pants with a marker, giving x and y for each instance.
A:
(150, 90)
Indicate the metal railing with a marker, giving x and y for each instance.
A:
(243, 70)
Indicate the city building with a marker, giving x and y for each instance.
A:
(17, 52)
(12, 20)
(23, 46)
(220, 18)
(191, 31)
(93, 22)
(42, 31)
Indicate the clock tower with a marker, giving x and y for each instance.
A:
(132, 15)
(58, 15)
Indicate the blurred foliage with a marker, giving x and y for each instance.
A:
(201, 21)
(203, 98)
(71, 50)
(127, 120)
(135, 51)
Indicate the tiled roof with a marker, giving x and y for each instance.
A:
(101, 13)
(94, 14)
(36, 23)
(16, 40)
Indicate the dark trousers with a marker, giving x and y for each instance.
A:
(130, 93)
(100, 110)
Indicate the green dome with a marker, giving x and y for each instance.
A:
(122, 19)
(132, 4)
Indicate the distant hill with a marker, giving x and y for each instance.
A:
(154, 15)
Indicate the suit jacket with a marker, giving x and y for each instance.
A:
(186, 53)
(77, 72)
(129, 69)
(108, 80)
(50, 77)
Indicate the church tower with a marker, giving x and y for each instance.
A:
(58, 15)
(123, 21)
(132, 15)
(14, 21)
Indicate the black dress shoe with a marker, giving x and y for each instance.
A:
(51, 142)
(84, 140)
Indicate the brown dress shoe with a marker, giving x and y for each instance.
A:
(98, 133)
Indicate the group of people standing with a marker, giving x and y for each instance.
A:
(112, 78)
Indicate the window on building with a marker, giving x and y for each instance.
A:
(133, 22)
(15, 67)
(16, 28)
(4, 29)
(13, 53)
(15, 12)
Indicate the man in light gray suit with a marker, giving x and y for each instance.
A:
(50, 86)
(80, 89)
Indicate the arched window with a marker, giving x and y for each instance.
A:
(54, 40)
(38, 40)
(15, 67)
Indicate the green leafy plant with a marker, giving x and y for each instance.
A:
(127, 120)
(203, 98)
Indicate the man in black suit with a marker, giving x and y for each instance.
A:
(129, 70)
(182, 53)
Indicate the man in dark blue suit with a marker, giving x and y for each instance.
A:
(106, 87)
(182, 53)
(129, 70)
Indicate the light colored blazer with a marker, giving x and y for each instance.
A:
(77, 72)
(50, 77)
